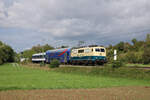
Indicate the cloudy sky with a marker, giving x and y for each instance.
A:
(24, 23)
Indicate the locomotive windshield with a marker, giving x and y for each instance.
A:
(102, 50)
(99, 50)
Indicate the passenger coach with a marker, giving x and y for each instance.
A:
(62, 55)
(39, 57)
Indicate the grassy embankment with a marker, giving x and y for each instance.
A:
(64, 78)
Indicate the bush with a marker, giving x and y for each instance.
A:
(42, 64)
(1, 62)
(146, 56)
(6, 53)
(117, 64)
(24, 62)
(131, 57)
(54, 63)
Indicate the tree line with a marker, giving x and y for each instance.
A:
(134, 52)
(7, 54)
(138, 51)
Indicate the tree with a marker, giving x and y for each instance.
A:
(47, 47)
(146, 56)
(147, 40)
(64, 46)
(28, 54)
(39, 48)
(36, 49)
(120, 46)
(6, 53)
(1, 43)
(127, 47)
(134, 41)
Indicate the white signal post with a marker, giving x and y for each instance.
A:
(115, 55)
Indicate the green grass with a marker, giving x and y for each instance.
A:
(28, 78)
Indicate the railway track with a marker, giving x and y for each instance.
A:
(90, 66)
(139, 67)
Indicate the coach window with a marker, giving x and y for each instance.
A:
(80, 51)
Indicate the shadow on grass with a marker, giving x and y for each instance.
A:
(14, 88)
(9, 88)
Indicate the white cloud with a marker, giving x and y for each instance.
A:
(68, 19)
(47, 15)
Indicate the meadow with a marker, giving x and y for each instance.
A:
(19, 77)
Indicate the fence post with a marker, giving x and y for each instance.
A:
(115, 55)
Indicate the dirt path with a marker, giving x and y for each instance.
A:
(115, 93)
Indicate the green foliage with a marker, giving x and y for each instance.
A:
(134, 41)
(117, 64)
(54, 63)
(42, 64)
(24, 62)
(110, 53)
(1, 62)
(134, 57)
(6, 53)
(147, 42)
(39, 48)
(120, 46)
(1, 43)
(137, 52)
(35, 49)
(146, 56)
(63, 46)
(107, 70)
(28, 54)
(17, 57)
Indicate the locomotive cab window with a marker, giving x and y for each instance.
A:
(80, 51)
(102, 50)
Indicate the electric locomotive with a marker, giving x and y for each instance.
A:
(88, 55)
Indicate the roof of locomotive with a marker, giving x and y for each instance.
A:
(90, 46)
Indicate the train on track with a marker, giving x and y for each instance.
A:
(39, 57)
(79, 55)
